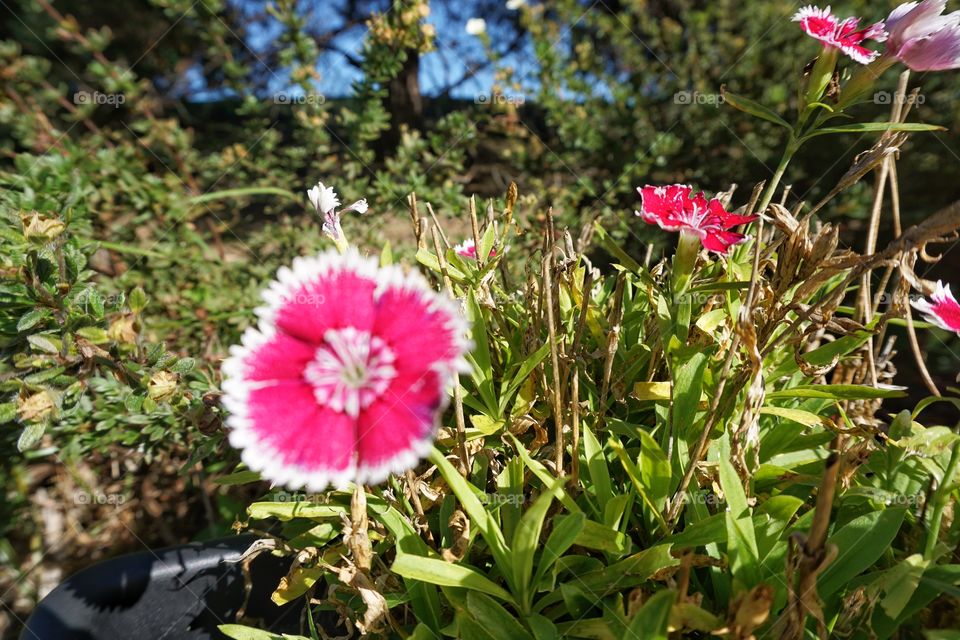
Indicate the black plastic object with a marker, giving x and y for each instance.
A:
(180, 593)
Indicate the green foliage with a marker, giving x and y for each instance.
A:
(721, 419)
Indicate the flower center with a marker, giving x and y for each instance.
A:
(350, 370)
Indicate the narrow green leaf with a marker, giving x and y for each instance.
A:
(490, 614)
(753, 108)
(651, 621)
(475, 510)
(859, 544)
(741, 538)
(835, 392)
(446, 574)
(597, 467)
(566, 529)
(865, 127)
(526, 539)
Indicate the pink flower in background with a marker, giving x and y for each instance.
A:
(942, 309)
(325, 200)
(923, 38)
(673, 208)
(844, 35)
(468, 249)
(346, 375)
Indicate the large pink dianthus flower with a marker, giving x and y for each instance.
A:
(346, 376)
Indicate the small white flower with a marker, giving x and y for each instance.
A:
(476, 26)
(325, 201)
(514, 5)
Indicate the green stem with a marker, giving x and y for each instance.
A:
(771, 190)
(684, 261)
(238, 193)
(939, 502)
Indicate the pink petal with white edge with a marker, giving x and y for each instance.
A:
(320, 293)
(397, 429)
(942, 309)
(290, 439)
(817, 22)
(260, 357)
(425, 332)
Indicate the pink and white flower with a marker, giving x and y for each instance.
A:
(468, 249)
(923, 38)
(674, 208)
(346, 375)
(942, 309)
(326, 201)
(840, 34)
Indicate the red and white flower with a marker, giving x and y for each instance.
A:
(468, 249)
(326, 201)
(347, 374)
(674, 208)
(841, 34)
(942, 309)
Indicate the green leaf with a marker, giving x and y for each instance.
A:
(613, 248)
(628, 572)
(138, 300)
(859, 544)
(293, 509)
(490, 614)
(446, 574)
(486, 243)
(687, 387)
(754, 108)
(526, 368)
(597, 467)
(636, 477)
(183, 365)
(526, 539)
(31, 435)
(240, 477)
(865, 127)
(242, 632)
(475, 510)
(835, 392)
(96, 335)
(29, 320)
(651, 621)
(8, 412)
(44, 344)
(542, 628)
(602, 538)
(741, 538)
(566, 530)
(806, 418)
(654, 469)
